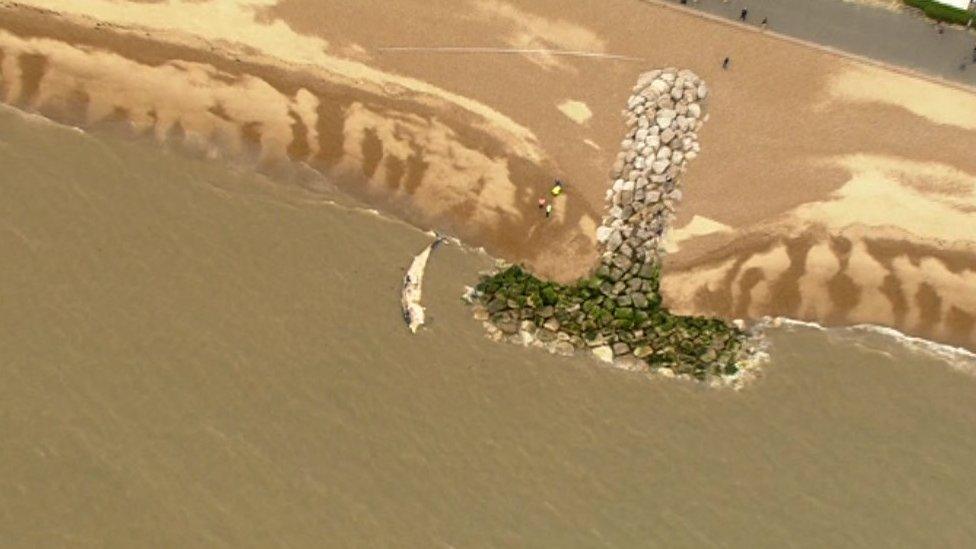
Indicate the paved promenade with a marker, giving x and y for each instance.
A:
(895, 37)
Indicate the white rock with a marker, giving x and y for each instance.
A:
(664, 153)
(677, 157)
(648, 77)
(702, 91)
(603, 353)
(659, 86)
(660, 166)
(651, 96)
(627, 186)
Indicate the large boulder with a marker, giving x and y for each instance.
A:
(604, 353)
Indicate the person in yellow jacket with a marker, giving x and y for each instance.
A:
(557, 189)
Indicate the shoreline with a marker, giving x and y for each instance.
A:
(958, 358)
(364, 132)
(501, 216)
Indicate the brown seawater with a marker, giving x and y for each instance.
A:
(193, 355)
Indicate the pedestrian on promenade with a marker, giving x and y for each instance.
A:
(548, 210)
(743, 14)
(765, 23)
(725, 63)
(974, 54)
(542, 202)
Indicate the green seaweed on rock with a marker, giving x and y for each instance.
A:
(693, 345)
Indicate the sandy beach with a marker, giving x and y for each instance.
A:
(827, 189)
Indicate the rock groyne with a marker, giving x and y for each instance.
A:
(617, 311)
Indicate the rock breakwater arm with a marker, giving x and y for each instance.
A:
(617, 310)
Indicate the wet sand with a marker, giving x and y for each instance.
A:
(471, 140)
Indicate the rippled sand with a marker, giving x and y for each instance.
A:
(831, 192)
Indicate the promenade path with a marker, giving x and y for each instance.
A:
(896, 37)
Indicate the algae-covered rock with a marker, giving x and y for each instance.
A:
(624, 313)
(643, 351)
(549, 295)
(496, 305)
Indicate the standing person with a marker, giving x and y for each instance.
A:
(557, 188)
(548, 210)
(743, 14)
(542, 202)
(765, 23)
(974, 54)
(725, 63)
